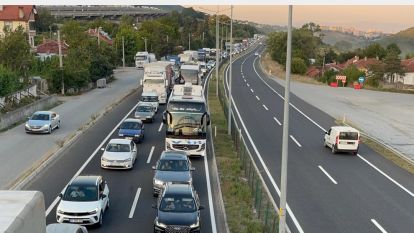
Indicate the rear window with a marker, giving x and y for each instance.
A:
(348, 135)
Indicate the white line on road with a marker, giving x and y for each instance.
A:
(251, 90)
(245, 80)
(248, 84)
(160, 128)
(264, 106)
(277, 120)
(134, 204)
(150, 154)
(327, 174)
(378, 225)
(257, 97)
(296, 141)
(54, 203)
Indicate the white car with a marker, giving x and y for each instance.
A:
(342, 138)
(119, 154)
(84, 201)
(256, 53)
(150, 97)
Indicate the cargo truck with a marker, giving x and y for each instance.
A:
(158, 77)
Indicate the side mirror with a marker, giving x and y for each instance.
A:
(60, 195)
(134, 149)
(153, 168)
(326, 132)
(102, 149)
(103, 196)
(192, 169)
(201, 207)
(141, 82)
(154, 206)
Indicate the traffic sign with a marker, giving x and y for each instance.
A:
(361, 79)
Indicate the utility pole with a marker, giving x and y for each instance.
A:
(217, 51)
(167, 39)
(145, 42)
(189, 41)
(97, 34)
(123, 53)
(203, 39)
(285, 138)
(230, 78)
(61, 64)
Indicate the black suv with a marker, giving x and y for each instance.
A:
(178, 209)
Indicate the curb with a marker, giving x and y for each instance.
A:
(29, 174)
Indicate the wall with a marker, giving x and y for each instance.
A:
(10, 118)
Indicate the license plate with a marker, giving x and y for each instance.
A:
(75, 220)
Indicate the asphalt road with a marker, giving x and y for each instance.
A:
(326, 193)
(123, 185)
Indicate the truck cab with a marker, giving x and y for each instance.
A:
(141, 58)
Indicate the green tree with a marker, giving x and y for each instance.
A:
(298, 66)
(374, 50)
(9, 81)
(352, 74)
(393, 66)
(377, 72)
(45, 21)
(393, 48)
(132, 44)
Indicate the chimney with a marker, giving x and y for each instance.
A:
(21, 12)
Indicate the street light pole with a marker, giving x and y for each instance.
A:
(123, 53)
(285, 142)
(230, 73)
(61, 64)
(217, 51)
(97, 34)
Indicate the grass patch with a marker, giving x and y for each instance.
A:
(237, 195)
(382, 150)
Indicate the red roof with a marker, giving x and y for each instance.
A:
(102, 35)
(313, 72)
(361, 63)
(51, 46)
(408, 64)
(11, 12)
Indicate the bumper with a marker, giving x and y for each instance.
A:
(162, 100)
(158, 229)
(201, 153)
(116, 165)
(133, 138)
(40, 130)
(81, 220)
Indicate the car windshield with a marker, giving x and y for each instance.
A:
(81, 193)
(144, 109)
(131, 125)
(41, 117)
(115, 147)
(189, 73)
(181, 204)
(140, 58)
(172, 165)
(149, 98)
(348, 135)
(187, 118)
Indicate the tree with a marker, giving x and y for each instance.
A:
(311, 27)
(9, 81)
(298, 66)
(45, 21)
(393, 66)
(393, 48)
(352, 74)
(132, 43)
(377, 72)
(330, 56)
(374, 50)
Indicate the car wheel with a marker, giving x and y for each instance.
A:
(50, 130)
(58, 125)
(334, 149)
(100, 220)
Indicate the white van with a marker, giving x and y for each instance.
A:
(150, 97)
(342, 138)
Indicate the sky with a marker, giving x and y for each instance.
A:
(389, 19)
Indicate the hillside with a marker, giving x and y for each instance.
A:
(343, 41)
(404, 40)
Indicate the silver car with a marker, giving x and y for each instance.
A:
(145, 111)
(173, 166)
(42, 122)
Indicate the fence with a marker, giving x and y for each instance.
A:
(265, 207)
(14, 99)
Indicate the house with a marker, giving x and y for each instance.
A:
(50, 48)
(361, 64)
(13, 16)
(408, 78)
(103, 36)
(313, 72)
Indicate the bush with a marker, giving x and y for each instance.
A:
(9, 81)
(298, 66)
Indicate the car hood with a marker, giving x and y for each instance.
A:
(131, 132)
(37, 122)
(116, 155)
(77, 207)
(173, 218)
(167, 176)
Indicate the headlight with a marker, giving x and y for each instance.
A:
(93, 211)
(105, 160)
(60, 212)
(121, 135)
(159, 224)
(27, 125)
(45, 126)
(136, 135)
(158, 182)
(195, 225)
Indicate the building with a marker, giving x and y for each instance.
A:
(103, 36)
(408, 78)
(50, 48)
(13, 16)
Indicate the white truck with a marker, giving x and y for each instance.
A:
(194, 54)
(191, 73)
(185, 57)
(158, 78)
(141, 58)
(186, 119)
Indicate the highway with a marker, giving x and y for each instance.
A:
(326, 192)
(126, 187)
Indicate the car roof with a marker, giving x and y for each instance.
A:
(345, 128)
(120, 141)
(178, 188)
(174, 155)
(85, 180)
(43, 112)
(133, 120)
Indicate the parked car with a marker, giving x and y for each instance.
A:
(42, 122)
(65, 228)
(178, 209)
(145, 111)
(119, 154)
(150, 97)
(173, 166)
(132, 129)
(342, 139)
(84, 201)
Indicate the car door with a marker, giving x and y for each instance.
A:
(142, 129)
(133, 150)
(103, 189)
(328, 137)
(53, 120)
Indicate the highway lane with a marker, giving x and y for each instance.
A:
(123, 185)
(361, 200)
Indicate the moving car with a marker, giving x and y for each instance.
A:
(150, 97)
(145, 111)
(132, 129)
(342, 139)
(119, 154)
(84, 201)
(42, 122)
(178, 209)
(256, 53)
(173, 166)
(65, 228)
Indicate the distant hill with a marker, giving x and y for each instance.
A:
(169, 8)
(404, 40)
(344, 41)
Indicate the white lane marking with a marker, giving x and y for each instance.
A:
(324, 130)
(257, 97)
(134, 204)
(264, 106)
(296, 141)
(54, 203)
(160, 128)
(387, 176)
(294, 219)
(150, 154)
(327, 174)
(251, 90)
(278, 122)
(378, 225)
(245, 80)
(248, 84)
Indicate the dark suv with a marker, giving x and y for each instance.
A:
(178, 209)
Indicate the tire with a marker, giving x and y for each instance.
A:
(100, 223)
(334, 150)
(50, 130)
(58, 125)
